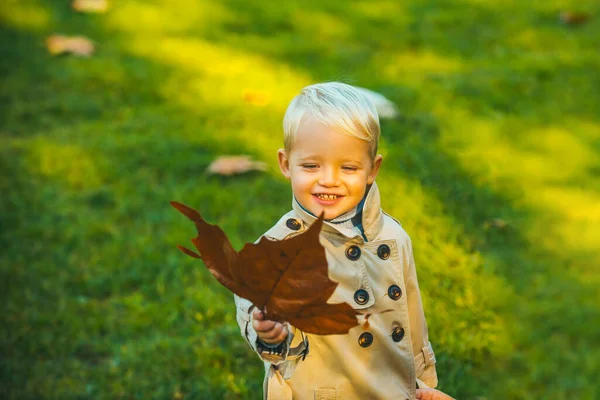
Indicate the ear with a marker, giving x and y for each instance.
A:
(374, 169)
(284, 163)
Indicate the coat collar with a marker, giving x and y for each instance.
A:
(372, 217)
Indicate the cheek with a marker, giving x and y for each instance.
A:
(359, 182)
(300, 182)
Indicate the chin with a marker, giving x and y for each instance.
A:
(331, 214)
(318, 211)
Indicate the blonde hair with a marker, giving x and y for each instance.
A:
(336, 105)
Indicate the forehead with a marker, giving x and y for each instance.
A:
(314, 139)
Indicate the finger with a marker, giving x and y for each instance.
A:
(273, 333)
(283, 336)
(263, 326)
(431, 394)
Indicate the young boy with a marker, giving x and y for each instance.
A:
(331, 133)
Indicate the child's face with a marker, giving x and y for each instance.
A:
(329, 171)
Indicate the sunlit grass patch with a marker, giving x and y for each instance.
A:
(222, 86)
(382, 10)
(25, 15)
(329, 26)
(409, 66)
(210, 65)
(577, 222)
(165, 17)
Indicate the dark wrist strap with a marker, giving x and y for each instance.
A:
(272, 349)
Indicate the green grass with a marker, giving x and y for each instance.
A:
(500, 120)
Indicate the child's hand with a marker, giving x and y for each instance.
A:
(432, 394)
(268, 331)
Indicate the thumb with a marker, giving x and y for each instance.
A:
(425, 394)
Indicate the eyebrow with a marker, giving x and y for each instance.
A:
(353, 161)
(316, 158)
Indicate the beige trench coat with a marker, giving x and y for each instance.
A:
(387, 360)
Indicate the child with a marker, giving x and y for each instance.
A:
(331, 133)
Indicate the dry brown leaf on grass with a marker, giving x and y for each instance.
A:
(77, 45)
(573, 18)
(288, 280)
(90, 6)
(231, 165)
(497, 223)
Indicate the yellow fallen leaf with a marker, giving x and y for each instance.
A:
(90, 6)
(77, 45)
(177, 395)
(231, 165)
(255, 98)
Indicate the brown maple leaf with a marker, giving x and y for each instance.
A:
(286, 279)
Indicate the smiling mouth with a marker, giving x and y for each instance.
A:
(328, 197)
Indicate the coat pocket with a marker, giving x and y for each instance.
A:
(326, 393)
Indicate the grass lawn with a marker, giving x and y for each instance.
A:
(493, 169)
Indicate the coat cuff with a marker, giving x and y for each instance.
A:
(275, 355)
(425, 366)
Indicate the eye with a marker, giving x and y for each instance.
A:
(310, 166)
(349, 168)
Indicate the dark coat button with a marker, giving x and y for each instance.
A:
(365, 339)
(394, 292)
(383, 251)
(361, 296)
(353, 253)
(397, 334)
(293, 224)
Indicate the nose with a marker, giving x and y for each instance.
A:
(329, 178)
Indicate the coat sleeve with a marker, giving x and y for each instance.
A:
(244, 319)
(422, 350)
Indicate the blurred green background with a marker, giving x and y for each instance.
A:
(493, 169)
